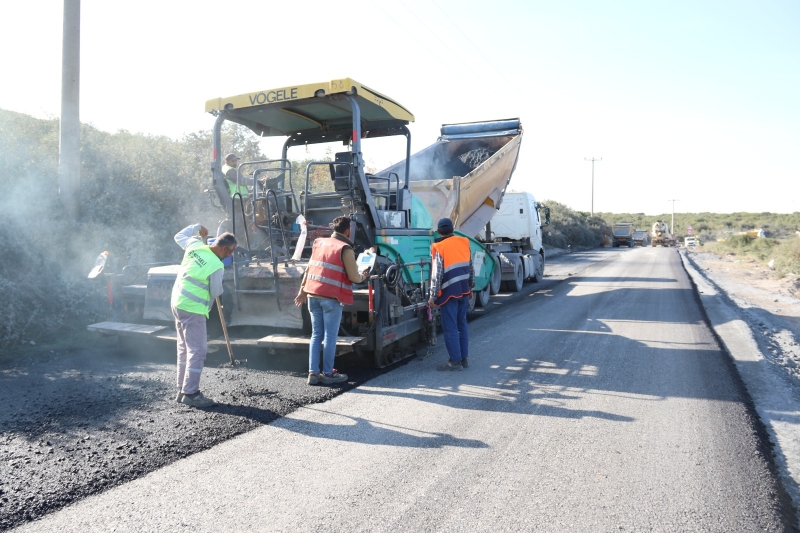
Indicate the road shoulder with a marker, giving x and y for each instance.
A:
(774, 391)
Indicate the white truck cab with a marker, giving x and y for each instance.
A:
(514, 236)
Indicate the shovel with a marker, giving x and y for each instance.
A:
(233, 362)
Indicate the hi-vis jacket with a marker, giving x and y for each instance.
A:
(326, 275)
(230, 180)
(192, 289)
(454, 276)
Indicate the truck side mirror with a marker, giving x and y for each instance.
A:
(546, 216)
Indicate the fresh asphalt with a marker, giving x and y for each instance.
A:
(77, 421)
(598, 400)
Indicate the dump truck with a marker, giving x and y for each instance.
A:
(277, 221)
(466, 181)
(640, 237)
(660, 235)
(622, 234)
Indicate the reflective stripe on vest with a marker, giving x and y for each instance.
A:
(326, 275)
(192, 291)
(455, 254)
(232, 187)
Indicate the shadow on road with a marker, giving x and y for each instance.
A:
(375, 432)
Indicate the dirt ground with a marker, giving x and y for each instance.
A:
(771, 306)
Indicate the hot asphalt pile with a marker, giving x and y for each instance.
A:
(77, 422)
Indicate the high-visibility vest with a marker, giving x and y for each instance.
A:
(232, 187)
(192, 289)
(455, 254)
(326, 275)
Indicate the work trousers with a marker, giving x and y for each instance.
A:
(192, 349)
(454, 326)
(326, 316)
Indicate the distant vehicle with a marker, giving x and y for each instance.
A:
(641, 237)
(690, 242)
(661, 235)
(623, 234)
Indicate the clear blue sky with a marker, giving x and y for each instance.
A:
(693, 100)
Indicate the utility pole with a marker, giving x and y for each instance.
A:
(673, 217)
(69, 153)
(592, 160)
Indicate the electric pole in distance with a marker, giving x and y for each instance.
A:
(592, 160)
(673, 217)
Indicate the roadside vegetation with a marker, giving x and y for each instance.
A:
(576, 229)
(137, 191)
(783, 254)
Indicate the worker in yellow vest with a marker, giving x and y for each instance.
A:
(198, 283)
(452, 281)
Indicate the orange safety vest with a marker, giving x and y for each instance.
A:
(326, 275)
(455, 254)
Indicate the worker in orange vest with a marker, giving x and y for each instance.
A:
(452, 278)
(327, 286)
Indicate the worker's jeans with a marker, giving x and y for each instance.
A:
(454, 326)
(326, 315)
(192, 349)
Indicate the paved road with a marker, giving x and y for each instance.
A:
(599, 403)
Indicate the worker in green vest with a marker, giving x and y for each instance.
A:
(232, 176)
(235, 184)
(198, 283)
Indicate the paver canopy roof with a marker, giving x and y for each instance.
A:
(315, 112)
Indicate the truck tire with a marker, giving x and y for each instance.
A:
(482, 297)
(539, 273)
(472, 303)
(516, 284)
(497, 278)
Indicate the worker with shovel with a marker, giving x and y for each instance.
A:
(198, 283)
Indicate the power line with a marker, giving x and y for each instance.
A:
(436, 36)
(470, 41)
(413, 37)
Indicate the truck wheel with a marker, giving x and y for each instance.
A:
(539, 274)
(515, 285)
(482, 297)
(497, 277)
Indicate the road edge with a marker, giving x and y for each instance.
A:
(760, 381)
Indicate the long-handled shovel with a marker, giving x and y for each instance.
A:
(233, 362)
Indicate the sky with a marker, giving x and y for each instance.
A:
(693, 101)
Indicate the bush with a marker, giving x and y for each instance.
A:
(787, 258)
(136, 192)
(573, 228)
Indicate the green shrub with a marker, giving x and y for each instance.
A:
(573, 228)
(136, 192)
(787, 258)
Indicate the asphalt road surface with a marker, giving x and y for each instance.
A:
(600, 402)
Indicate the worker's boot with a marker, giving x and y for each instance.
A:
(333, 378)
(179, 396)
(197, 400)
